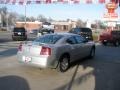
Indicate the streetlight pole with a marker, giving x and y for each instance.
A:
(25, 15)
(7, 16)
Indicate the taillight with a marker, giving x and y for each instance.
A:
(20, 47)
(45, 51)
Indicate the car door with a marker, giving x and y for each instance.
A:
(83, 47)
(71, 41)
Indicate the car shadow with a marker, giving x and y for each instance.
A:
(13, 83)
(5, 40)
(8, 52)
(106, 73)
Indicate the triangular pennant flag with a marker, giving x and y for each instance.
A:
(7, 1)
(28, 2)
(38, 1)
(101, 1)
(21, 2)
(2, 2)
(88, 1)
(48, 1)
(13, 1)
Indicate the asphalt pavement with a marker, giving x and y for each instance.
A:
(100, 73)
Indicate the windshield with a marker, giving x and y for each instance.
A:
(48, 39)
(19, 30)
(75, 30)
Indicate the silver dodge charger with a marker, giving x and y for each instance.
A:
(56, 50)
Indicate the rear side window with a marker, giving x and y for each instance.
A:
(19, 30)
(71, 40)
(48, 39)
(86, 30)
(79, 39)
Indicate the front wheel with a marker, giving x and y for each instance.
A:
(63, 64)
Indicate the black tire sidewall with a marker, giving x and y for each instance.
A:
(91, 53)
(60, 64)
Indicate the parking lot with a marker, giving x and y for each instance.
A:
(100, 73)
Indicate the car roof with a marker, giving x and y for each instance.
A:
(64, 34)
(46, 29)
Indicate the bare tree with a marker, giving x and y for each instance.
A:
(32, 19)
(12, 18)
(80, 23)
(41, 18)
(3, 12)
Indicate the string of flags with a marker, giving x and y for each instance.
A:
(22, 2)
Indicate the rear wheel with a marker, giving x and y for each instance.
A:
(64, 63)
(116, 43)
(13, 39)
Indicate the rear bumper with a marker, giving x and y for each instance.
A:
(19, 37)
(40, 62)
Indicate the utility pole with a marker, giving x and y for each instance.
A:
(7, 16)
(25, 15)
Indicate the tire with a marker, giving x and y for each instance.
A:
(116, 43)
(63, 64)
(104, 43)
(13, 39)
(92, 53)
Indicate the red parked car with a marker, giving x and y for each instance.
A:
(112, 36)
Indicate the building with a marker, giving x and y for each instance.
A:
(63, 25)
(58, 25)
(29, 25)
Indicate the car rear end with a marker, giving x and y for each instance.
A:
(19, 34)
(84, 32)
(87, 33)
(38, 54)
(35, 55)
(44, 31)
(108, 37)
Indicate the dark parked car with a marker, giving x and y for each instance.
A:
(45, 31)
(85, 32)
(19, 33)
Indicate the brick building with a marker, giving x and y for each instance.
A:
(29, 25)
(58, 25)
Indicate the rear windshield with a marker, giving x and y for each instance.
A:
(77, 30)
(116, 32)
(48, 39)
(19, 30)
(46, 30)
(86, 30)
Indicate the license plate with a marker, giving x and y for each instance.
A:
(19, 33)
(105, 40)
(44, 32)
(26, 59)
